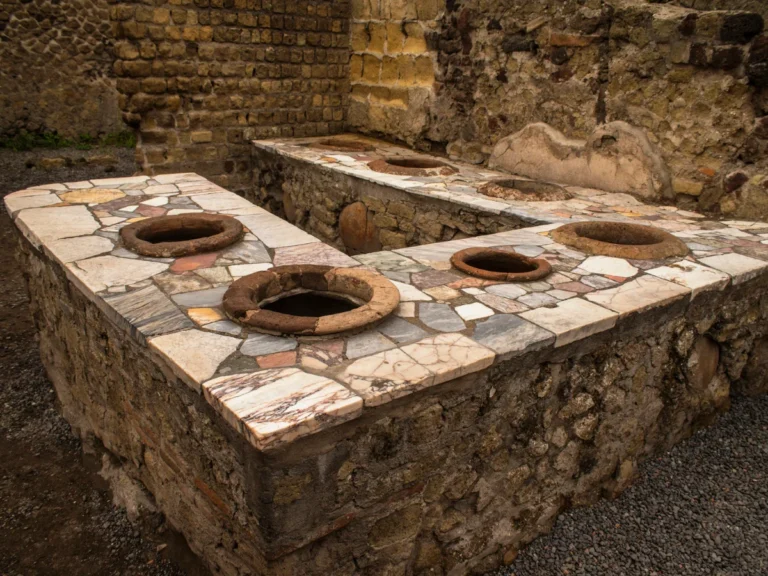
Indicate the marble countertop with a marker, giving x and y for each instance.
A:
(277, 389)
(462, 187)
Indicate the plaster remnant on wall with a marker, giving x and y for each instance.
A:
(616, 157)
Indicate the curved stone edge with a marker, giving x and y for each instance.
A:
(616, 157)
(459, 261)
(668, 247)
(231, 233)
(242, 298)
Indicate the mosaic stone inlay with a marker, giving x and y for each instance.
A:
(275, 389)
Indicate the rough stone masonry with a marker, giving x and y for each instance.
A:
(199, 79)
(453, 481)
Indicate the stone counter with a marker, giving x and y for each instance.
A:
(438, 442)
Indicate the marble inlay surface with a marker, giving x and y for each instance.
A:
(276, 389)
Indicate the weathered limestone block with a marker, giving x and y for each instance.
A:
(616, 157)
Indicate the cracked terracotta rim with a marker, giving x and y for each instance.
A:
(502, 265)
(524, 190)
(621, 240)
(415, 166)
(244, 300)
(181, 235)
(341, 145)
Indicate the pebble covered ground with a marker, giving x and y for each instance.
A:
(701, 509)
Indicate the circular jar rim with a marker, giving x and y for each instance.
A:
(243, 299)
(648, 243)
(227, 231)
(399, 166)
(462, 261)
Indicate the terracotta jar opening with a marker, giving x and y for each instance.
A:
(181, 235)
(502, 265)
(413, 166)
(312, 303)
(311, 300)
(341, 145)
(620, 239)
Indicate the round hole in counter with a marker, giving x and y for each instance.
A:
(621, 240)
(524, 190)
(311, 300)
(181, 235)
(500, 265)
(311, 303)
(412, 166)
(341, 145)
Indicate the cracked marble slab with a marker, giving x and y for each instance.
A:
(572, 320)
(277, 406)
(740, 268)
(42, 225)
(450, 356)
(510, 336)
(385, 376)
(184, 352)
(692, 275)
(104, 272)
(641, 294)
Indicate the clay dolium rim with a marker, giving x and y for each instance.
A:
(501, 265)
(621, 240)
(412, 166)
(341, 145)
(181, 235)
(375, 297)
(524, 190)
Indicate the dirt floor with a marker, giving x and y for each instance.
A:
(56, 514)
(698, 510)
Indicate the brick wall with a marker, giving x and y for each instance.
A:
(56, 68)
(392, 67)
(200, 79)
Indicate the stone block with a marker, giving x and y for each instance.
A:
(371, 68)
(615, 157)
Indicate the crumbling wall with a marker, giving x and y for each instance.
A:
(201, 80)
(692, 74)
(56, 68)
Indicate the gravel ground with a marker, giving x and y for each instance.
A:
(699, 510)
(56, 513)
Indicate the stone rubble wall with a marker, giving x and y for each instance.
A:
(166, 436)
(693, 74)
(452, 480)
(56, 68)
(358, 216)
(199, 80)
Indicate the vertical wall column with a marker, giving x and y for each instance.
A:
(392, 67)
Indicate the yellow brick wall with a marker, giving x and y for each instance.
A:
(392, 69)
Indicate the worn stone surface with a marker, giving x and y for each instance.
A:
(669, 69)
(342, 211)
(277, 70)
(615, 157)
